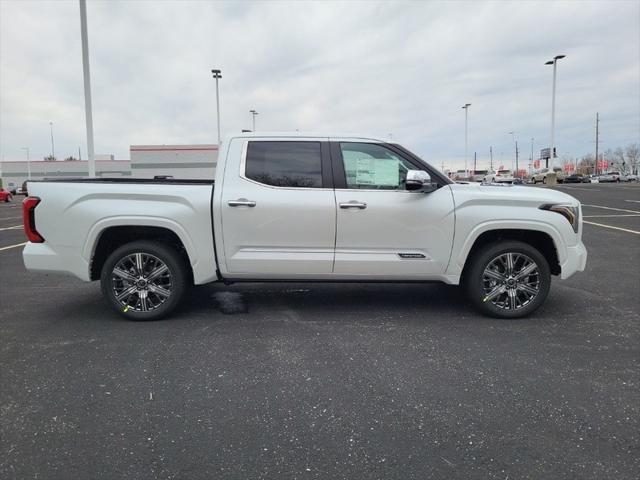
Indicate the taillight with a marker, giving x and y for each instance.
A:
(29, 219)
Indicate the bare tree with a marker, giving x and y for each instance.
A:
(633, 157)
(50, 158)
(618, 158)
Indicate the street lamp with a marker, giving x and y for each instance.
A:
(531, 161)
(253, 118)
(52, 149)
(28, 163)
(553, 105)
(217, 74)
(513, 134)
(465, 107)
(86, 75)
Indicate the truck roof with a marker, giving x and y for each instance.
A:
(307, 135)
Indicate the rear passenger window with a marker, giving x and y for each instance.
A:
(285, 164)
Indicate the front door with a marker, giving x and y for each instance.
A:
(279, 211)
(383, 230)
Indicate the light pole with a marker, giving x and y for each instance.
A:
(465, 107)
(253, 118)
(217, 74)
(88, 113)
(513, 134)
(531, 162)
(28, 163)
(52, 149)
(553, 106)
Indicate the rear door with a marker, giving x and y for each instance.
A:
(279, 210)
(383, 230)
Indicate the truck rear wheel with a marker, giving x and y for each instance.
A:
(509, 279)
(144, 280)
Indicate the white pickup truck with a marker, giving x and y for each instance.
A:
(293, 207)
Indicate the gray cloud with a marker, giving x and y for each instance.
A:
(399, 67)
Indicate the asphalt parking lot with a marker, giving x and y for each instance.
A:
(328, 381)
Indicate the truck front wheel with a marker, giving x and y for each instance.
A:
(508, 279)
(144, 280)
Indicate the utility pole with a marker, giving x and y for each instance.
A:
(53, 153)
(466, 136)
(28, 163)
(475, 162)
(517, 170)
(491, 156)
(513, 134)
(87, 86)
(595, 168)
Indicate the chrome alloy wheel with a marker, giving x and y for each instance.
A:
(141, 282)
(511, 281)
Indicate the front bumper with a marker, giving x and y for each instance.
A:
(576, 261)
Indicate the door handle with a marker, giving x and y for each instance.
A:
(242, 202)
(354, 204)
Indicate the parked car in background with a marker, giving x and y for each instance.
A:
(542, 175)
(499, 176)
(460, 176)
(612, 177)
(632, 178)
(5, 196)
(23, 189)
(478, 175)
(12, 188)
(575, 178)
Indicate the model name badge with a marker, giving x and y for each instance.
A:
(411, 255)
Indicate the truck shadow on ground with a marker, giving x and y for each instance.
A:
(334, 302)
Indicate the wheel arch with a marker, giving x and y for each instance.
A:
(112, 237)
(543, 241)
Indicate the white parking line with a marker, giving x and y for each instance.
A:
(611, 208)
(614, 215)
(9, 218)
(614, 228)
(580, 188)
(633, 201)
(11, 228)
(13, 246)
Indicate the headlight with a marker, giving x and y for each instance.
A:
(570, 212)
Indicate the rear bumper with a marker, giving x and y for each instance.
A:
(576, 261)
(40, 257)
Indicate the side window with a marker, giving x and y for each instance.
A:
(372, 166)
(285, 164)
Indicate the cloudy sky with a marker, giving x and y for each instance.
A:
(378, 68)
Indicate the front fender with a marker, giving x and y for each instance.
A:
(457, 264)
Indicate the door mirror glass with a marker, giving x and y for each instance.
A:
(419, 181)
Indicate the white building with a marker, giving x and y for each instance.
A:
(147, 161)
(178, 161)
(13, 174)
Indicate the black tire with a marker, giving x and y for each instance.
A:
(8, 198)
(544, 180)
(478, 286)
(150, 298)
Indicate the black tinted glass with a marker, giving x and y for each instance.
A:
(285, 164)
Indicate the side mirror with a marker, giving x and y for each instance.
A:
(419, 181)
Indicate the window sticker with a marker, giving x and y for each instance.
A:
(378, 172)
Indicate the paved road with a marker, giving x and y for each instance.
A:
(328, 381)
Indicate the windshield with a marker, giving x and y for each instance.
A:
(504, 171)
